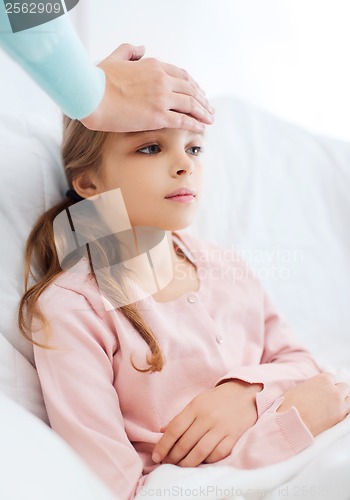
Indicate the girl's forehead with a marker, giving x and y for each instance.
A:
(161, 133)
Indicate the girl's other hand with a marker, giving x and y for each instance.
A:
(209, 426)
(320, 402)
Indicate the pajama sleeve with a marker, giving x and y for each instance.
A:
(76, 376)
(276, 436)
(284, 362)
(54, 57)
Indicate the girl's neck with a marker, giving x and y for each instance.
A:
(162, 265)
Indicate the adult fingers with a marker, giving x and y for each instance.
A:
(174, 431)
(176, 72)
(183, 87)
(173, 119)
(128, 52)
(190, 106)
(183, 83)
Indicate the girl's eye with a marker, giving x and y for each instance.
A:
(150, 150)
(195, 150)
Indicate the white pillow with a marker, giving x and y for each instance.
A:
(32, 180)
(281, 196)
(39, 465)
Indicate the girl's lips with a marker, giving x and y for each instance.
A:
(180, 192)
(182, 198)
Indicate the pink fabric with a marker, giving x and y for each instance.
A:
(111, 413)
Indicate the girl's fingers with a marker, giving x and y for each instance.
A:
(201, 450)
(343, 388)
(174, 431)
(222, 450)
(347, 402)
(186, 442)
(345, 393)
(328, 375)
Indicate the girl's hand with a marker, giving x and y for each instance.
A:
(209, 426)
(320, 402)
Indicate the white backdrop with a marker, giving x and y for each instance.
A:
(292, 57)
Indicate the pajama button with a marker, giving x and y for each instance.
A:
(219, 339)
(192, 299)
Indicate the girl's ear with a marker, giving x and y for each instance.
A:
(85, 185)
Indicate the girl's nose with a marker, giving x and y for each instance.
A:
(184, 166)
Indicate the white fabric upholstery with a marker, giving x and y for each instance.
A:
(32, 180)
(37, 465)
(281, 196)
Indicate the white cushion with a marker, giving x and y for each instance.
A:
(37, 464)
(32, 180)
(281, 196)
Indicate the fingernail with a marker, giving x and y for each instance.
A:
(210, 119)
(156, 458)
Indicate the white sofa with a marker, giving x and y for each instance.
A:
(276, 192)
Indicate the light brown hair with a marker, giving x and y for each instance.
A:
(82, 151)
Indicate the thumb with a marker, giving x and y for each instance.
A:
(128, 52)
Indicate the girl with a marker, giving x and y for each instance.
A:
(200, 371)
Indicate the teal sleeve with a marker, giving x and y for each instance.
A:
(54, 57)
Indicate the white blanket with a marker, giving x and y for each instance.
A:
(319, 471)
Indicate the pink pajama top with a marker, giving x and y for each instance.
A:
(111, 414)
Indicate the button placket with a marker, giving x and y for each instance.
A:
(191, 298)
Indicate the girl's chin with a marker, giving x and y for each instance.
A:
(175, 225)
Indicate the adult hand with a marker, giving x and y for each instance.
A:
(209, 426)
(320, 402)
(146, 94)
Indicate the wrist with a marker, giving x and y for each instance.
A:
(253, 387)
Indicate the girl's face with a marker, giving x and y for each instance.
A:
(150, 166)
